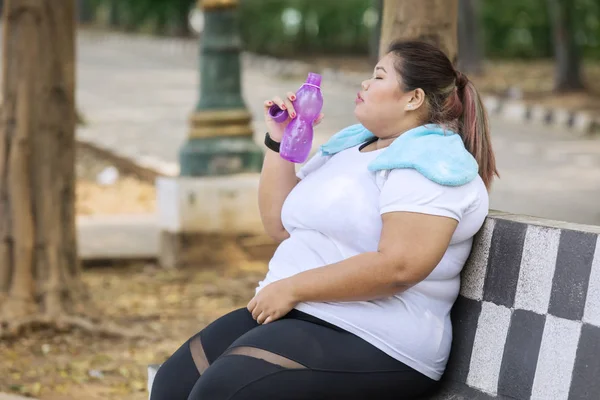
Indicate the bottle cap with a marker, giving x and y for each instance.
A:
(277, 114)
(314, 79)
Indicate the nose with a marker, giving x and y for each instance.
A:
(365, 85)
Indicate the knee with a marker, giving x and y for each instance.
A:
(166, 383)
(175, 378)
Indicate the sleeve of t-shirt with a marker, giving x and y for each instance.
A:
(314, 163)
(407, 190)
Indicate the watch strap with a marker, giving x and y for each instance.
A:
(271, 144)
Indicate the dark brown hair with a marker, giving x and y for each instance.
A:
(452, 99)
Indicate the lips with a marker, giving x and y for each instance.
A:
(359, 98)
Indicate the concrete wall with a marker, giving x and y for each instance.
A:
(527, 321)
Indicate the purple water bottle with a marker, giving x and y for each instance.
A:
(298, 135)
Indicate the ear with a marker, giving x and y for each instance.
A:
(416, 100)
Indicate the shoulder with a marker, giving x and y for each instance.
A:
(410, 176)
(406, 189)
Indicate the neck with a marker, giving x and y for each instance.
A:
(385, 141)
(382, 143)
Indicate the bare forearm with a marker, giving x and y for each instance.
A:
(367, 276)
(277, 179)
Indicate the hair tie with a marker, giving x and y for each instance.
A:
(461, 80)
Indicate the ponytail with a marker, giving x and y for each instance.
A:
(475, 129)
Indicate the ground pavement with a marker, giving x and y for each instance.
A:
(7, 396)
(136, 93)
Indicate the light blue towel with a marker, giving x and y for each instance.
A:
(437, 153)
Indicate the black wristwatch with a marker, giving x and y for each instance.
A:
(271, 144)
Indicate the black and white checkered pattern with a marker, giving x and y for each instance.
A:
(527, 321)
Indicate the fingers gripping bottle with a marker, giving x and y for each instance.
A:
(298, 135)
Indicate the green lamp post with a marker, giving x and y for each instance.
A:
(220, 137)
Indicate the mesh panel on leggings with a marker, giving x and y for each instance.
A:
(264, 355)
(197, 351)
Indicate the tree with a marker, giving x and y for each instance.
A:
(375, 38)
(85, 11)
(566, 53)
(470, 55)
(40, 274)
(432, 21)
(39, 269)
(181, 18)
(114, 14)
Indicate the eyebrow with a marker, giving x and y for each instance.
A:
(381, 68)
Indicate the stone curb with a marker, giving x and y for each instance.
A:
(120, 237)
(579, 123)
(147, 168)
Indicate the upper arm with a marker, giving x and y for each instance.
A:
(419, 219)
(415, 243)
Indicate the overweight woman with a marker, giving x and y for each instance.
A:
(374, 231)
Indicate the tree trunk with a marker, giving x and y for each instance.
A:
(85, 11)
(470, 56)
(39, 268)
(182, 19)
(432, 21)
(375, 38)
(114, 14)
(568, 61)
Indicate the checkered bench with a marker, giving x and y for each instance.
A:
(527, 321)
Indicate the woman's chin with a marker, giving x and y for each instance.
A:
(360, 112)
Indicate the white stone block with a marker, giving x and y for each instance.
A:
(473, 276)
(152, 369)
(591, 313)
(220, 204)
(492, 104)
(556, 359)
(561, 117)
(537, 269)
(514, 110)
(488, 347)
(540, 114)
(583, 123)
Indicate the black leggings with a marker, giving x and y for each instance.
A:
(297, 357)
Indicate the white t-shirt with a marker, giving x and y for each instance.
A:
(335, 213)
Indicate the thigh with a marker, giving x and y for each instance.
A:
(331, 385)
(221, 333)
(337, 365)
(318, 347)
(229, 382)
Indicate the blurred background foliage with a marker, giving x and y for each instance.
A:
(509, 28)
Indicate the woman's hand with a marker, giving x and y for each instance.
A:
(276, 129)
(273, 302)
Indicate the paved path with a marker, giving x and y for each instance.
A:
(7, 396)
(137, 93)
